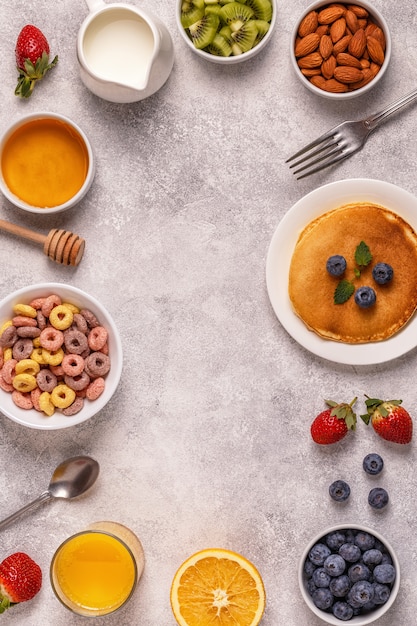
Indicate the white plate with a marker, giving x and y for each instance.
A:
(280, 252)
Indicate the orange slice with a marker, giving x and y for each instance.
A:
(217, 587)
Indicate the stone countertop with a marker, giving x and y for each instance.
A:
(206, 441)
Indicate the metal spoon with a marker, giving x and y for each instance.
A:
(70, 479)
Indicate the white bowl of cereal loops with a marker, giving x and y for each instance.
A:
(60, 356)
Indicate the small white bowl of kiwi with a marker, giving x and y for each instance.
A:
(226, 31)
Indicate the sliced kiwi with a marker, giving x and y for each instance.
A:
(261, 8)
(220, 46)
(236, 14)
(226, 32)
(262, 27)
(191, 12)
(245, 37)
(203, 32)
(213, 8)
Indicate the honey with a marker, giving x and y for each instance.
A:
(44, 162)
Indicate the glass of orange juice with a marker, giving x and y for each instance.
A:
(95, 571)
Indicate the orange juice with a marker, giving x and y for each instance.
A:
(95, 572)
(44, 162)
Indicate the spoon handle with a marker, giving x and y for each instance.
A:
(46, 495)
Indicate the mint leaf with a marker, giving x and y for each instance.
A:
(343, 291)
(363, 254)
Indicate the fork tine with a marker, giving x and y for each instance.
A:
(330, 143)
(330, 133)
(336, 149)
(330, 161)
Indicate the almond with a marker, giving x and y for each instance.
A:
(323, 29)
(308, 24)
(368, 75)
(318, 81)
(364, 63)
(343, 58)
(326, 46)
(358, 11)
(307, 44)
(347, 75)
(375, 50)
(330, 14)
(342, 44)
(314, 59)
(357, 44)
(338, 29)
(314, 71)
(351, 21)
(334, 86)
(328, 67)
(372, 30)
(362, 23)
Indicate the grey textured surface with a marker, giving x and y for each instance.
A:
(206, 442)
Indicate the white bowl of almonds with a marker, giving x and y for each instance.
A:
(60, 356)
(340, 50)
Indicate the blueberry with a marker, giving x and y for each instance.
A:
(373, 463)
(336, 265)
(340, 585)
(321, 578)
(378, 498)
(334, 565)
(339, 490)
(359, 571)
(381, 593)
(372, 557)
(350, 552)
(384, 573)
(335, 540)
(322, 598)
(361, 593)
(342, 611)
(365, 297)
(309, 568)
(311, 587)
(319, 553)
(364, 540)
(382, 273)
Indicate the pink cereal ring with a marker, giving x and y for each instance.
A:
(49, 303)
(51, 338)
(105, 349)
(1, 358)
(37, 303)
(72, 364)
(41, 319)
(8, 371)
(57, 370)
(95, 389)
(74, 408)
(34, 396)
(23, 320)
(22, 400)
(3, 385)
(97, 337)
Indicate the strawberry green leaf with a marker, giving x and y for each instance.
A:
(363, 254)
(343, 291)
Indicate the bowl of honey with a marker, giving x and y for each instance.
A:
(46, 163)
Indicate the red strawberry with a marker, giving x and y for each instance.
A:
(20, 579)
(334, 423)
(389, 420)
(32, 59)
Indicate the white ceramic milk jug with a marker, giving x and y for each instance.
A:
(125, 53)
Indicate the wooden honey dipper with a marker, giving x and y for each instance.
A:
(62, 246)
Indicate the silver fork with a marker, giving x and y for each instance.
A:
(342, 140)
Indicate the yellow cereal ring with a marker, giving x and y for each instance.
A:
(27, 366)
(71, 307)
(24, 382)
(7, 354)
(36, 342)
(24, 309)
(61, 317)
(37, 355)
(5, 325)
(62, 396)
(45, 404)
(53, 357)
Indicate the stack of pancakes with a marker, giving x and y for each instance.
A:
(311, 288)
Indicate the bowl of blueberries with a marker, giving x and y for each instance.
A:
(349, 573)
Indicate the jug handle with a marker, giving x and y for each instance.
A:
(95, 5)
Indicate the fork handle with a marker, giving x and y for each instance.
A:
(375, 120)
